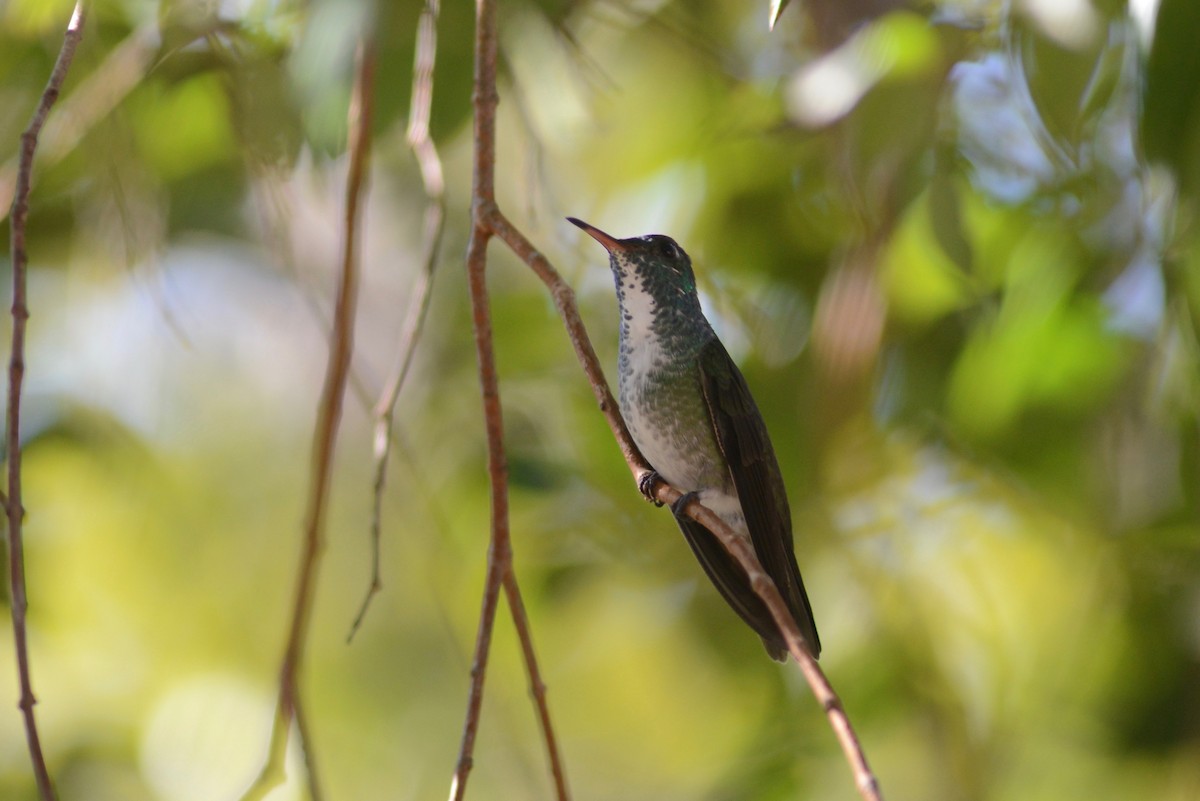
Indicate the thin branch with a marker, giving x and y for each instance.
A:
(324, 438)
(499, 560)
(564, 301)
(740, 549)
(430, 164)
(16, 375)
(499, 567)
(310, 765)
(94, 98)
(537, 687)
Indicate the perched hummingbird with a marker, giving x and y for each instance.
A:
(691, 415)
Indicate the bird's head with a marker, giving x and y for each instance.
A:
(652, 264)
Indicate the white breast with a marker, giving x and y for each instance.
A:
(637, 312)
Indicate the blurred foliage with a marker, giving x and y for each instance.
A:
(953, 244)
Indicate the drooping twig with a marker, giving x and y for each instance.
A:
(19, 600)
(430, 164)
(324, 437)
(537, 687)
(499, 566)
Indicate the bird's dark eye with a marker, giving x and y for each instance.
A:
(668, 248)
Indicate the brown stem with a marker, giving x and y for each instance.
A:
(499, 570)
(740, 549)
(94, 98)
(430, 164)
(537, 687)
(499, 561)
(329, 413)
(16, 375)
(299, 710)
(499, 550)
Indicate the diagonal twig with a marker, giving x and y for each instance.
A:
(94, 98)
(839, 721)
(324, 440)
(16, 375)
(430, 164)
(537, 687)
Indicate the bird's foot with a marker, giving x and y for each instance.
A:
(681, 504)
(646, 486)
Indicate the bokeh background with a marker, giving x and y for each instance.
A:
(953, 245)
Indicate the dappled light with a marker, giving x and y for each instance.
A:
(952, 247)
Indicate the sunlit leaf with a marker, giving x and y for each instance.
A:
(174, 149)
(921, 280)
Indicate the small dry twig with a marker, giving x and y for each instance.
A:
(430, 164)
(95, 97)
(324, 440)
(16, 375)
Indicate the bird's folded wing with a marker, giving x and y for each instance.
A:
(742, 437)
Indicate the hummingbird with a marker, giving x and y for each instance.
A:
(691, 414)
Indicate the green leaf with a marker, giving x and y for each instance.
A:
(945, 213)
(1170, 116)
(921, 280)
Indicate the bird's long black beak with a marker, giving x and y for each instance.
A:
(610, 243)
